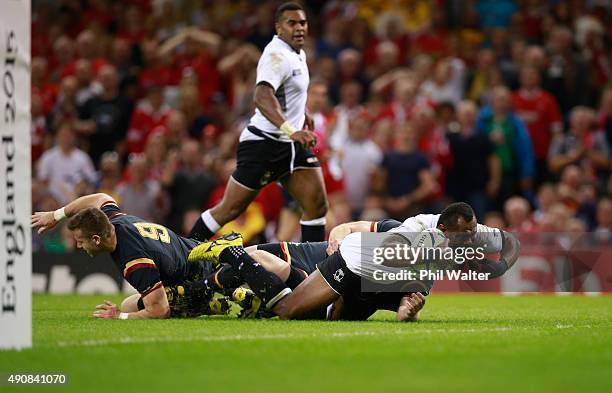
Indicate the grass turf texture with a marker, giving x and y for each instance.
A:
(464, 343)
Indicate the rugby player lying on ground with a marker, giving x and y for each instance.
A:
(152, 258)
(293, 262)
(340, 273)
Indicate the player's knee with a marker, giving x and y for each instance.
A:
(286, 310)
(318, 208)
(229, 213)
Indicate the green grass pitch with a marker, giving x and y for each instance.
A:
(463, 343)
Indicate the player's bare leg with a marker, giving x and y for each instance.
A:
(292, 276)
(288, 224)
(307, 187)
(312, 294)
(235, 201)
(272, 263)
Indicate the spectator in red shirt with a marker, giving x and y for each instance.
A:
(199, 54)
(63, 57)
(133, 26)
(432, 143)
(150, 113)
(41, 86)
(39, 136)
(405, 98)
(540, 112)
(156, 70)
(87, 48)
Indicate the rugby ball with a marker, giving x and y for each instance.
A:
(431, 237)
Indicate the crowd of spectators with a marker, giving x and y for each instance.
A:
(504, 104)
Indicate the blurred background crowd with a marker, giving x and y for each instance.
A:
(504, 104)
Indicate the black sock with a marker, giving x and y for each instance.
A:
(266, 285)
(313, 233)
(226, 278)
(200, 231)
(296, 276)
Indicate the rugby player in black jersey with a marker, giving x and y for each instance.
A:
(150, 257)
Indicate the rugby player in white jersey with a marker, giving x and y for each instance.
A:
(342, 272)
(276, 143)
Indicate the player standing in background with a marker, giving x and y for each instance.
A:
(272, 147)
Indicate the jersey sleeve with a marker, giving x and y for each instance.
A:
(490, 239)
(111, 209)
(143, 275)
(272, 69)
(384, 225)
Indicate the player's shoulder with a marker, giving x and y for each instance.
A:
(487, 229)
(274, 47)
(111, 209)
(425, 220)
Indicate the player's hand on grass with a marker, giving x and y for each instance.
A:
(305, 137)
(43, 221)
(409, 307)
(106, 310)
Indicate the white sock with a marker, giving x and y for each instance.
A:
(210, 222)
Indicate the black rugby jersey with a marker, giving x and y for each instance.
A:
(150, 255)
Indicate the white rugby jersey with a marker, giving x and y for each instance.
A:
(287, 72)
(490, 239)
(358, 257)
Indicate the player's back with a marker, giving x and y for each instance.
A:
(139, 240)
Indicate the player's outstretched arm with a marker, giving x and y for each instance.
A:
(508, 256)
(343, 230)
(511, 250)
(156, 307)
(47, 220)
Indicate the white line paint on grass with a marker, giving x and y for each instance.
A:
(263, 337)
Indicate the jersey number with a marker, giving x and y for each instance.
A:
(153, 231)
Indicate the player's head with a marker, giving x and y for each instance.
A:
(93, 231)
(291, 24)
(458, 222)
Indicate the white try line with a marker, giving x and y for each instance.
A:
(261, 337)
(285, 336)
